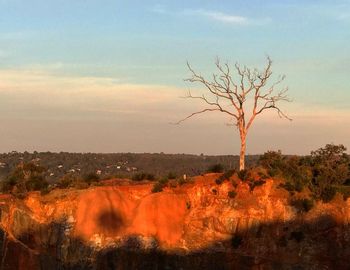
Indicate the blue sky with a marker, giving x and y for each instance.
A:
(90, 60)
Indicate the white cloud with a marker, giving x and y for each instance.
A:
(222, 17)
(225, 18)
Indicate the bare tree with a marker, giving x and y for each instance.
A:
(248, 91)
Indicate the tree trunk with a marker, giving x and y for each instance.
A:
(242, 153)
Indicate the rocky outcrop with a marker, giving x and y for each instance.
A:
(194, 226)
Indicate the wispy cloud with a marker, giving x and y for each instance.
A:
(221, 17)
(226, 18)
(21, 89)
(213, 15)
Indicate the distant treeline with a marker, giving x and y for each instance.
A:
(57, 165)
(318, 176)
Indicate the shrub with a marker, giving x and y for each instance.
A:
(143, 176)
(163, 181)
(45, 191)
(225, 176)
(138, 177)
(273, 162)
(8, 184)
(288, 186)
(263, 175)
(36, 182)
(171, 175)
(303, 205)
(328, 194)
(150, 176)
(331, 164)
(243, 174)
(216, 168)
(91, 177)
(66, 181)
(25, 177)
(252, 184)
(232, 194)
(157, 187)
(219, 180)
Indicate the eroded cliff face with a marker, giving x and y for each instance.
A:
(194, 226)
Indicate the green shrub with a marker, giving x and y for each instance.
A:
(157, 187)
(263, 175)
(272, 172)
(164, 181)
(150, 177)
(273, 161)
(225, 176)
(25, 177)
(171, 175)
(67, 181)
(91, 177)
(252, 184)
(138, 177)
(143, 176)
(232, 194)
(36, 182)
(216, 168)
(8, 184)
(243, 175)
(330, 165)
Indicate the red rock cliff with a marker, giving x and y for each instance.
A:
(194, 225)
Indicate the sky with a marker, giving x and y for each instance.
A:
(108, 76)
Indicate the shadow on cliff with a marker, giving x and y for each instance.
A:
(110, 222)
(319, 244)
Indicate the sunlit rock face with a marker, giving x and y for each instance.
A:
(193, 226)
